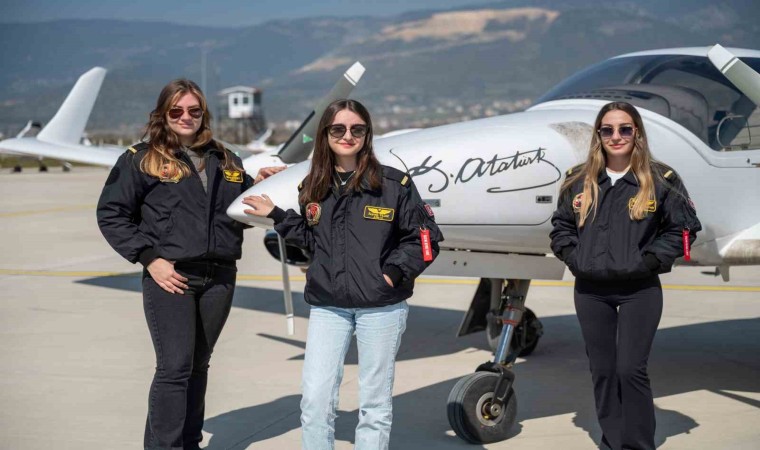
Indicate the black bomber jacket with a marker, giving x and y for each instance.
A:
(144, 217)
(611, 246)
(358, 237)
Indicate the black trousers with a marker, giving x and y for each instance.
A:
(618, 321)
(184, 329)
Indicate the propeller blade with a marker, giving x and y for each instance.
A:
(740, 74)
(287, 294)
(300, 144)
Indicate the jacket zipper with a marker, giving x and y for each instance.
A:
(207, 206)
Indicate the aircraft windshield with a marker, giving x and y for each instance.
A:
(687, 89)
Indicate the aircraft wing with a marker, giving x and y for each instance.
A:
(31, 146)
(60, 138)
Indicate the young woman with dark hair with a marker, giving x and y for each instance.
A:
(370, 235)
(622, 219)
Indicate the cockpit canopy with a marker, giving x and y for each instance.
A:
(687, 89)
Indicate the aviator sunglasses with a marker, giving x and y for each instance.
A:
(625, 131)
(338, 131)
(177, 112)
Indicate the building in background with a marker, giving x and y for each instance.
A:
(240, 115)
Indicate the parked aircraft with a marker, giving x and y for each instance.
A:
(493, 184)
(61, 138)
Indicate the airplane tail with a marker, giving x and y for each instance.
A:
(67, 126)
(259, 144)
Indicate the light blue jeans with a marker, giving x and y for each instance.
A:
(378, 335)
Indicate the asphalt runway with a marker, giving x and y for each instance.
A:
(77, 359)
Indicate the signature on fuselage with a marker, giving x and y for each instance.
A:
(497, 167)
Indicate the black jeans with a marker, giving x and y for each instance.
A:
(618, 321)
(184, 329)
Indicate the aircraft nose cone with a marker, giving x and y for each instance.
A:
(282, 188)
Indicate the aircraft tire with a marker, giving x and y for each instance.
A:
(465, 409)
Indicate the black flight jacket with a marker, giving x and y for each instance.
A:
(612, 246)
(359, 236)
(144, 217)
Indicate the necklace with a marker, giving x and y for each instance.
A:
(340, 177)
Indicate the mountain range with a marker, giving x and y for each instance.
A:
(436, 65)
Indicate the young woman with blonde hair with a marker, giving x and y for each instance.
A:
(164, 205)
(622, 219)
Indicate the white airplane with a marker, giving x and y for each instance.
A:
(494, 184)
(61, 138)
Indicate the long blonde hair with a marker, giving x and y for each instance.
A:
(641, 166)
(163, 142)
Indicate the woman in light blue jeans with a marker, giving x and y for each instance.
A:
(370, 236)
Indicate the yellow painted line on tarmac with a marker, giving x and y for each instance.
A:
(46, 211)
(244, 277)
(692, 287)
(439, 281)
(64, 273)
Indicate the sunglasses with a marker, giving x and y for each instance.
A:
(625, 131)
(338, 131)
(177, 112)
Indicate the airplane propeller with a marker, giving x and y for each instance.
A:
(296, 149)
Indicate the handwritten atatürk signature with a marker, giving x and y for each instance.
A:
(479, 167)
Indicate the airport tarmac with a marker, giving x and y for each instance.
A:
(77, 360)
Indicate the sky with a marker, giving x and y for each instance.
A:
(211, 13)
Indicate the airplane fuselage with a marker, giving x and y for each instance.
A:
(493, 183)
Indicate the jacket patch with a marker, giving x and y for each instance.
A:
(313, 212)
(169, 174)
(578, 202)
(429, 210)
(379, 213)
(651, 204)
(233, 176)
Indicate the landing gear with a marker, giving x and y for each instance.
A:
(482, 407)
(527, 333)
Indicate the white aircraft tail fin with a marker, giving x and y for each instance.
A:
(67, 126)
(28, 127)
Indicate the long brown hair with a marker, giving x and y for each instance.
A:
(318, 181)
(641, 165)
(160, 160)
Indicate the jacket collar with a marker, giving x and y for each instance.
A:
(629, 177)
(363, 185)
(209, 148)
